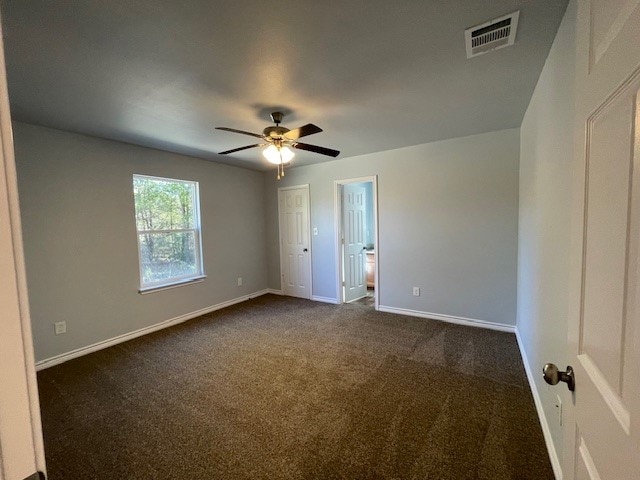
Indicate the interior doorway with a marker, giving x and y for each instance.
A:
(357, 248)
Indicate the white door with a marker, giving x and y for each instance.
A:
(21, 448)
(295, 255)
(605, 329)
(353, 228)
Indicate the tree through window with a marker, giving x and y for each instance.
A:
(168, 224)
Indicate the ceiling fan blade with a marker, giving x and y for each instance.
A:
(241, 148)
(316, 149)
(239, 131)
(308, 129)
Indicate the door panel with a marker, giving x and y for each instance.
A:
(294, 242)
(585, 467)
(609, 168)
(608, 17)
(606, 438)
(354, 216)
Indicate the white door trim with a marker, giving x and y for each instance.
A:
(19, 360)
(309, 257)
(337, 220)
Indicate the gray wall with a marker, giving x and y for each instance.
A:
(81, 253)
(448, 223)
(546, 178)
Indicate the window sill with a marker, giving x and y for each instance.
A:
(167, 286)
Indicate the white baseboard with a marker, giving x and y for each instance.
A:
(79, 352)
(317, 298)
(471, 322)
(548, 439)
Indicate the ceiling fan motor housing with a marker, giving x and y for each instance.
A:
(275, 132)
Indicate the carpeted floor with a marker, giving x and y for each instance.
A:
(368, 301)
(282, 388)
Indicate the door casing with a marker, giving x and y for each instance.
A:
(21, 444)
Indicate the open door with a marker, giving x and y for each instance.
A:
(21, 446)
(605, 324)
(354, 244)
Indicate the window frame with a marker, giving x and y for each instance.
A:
(181, 280)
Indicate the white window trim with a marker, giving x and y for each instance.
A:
(184, 279)
(176, 284)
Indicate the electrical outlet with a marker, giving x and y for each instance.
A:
(559, 409)
(239, 281)
(60, 327)
(416, 291)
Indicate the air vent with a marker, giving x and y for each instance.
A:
(497, 33)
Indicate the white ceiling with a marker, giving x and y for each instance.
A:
(374, 74)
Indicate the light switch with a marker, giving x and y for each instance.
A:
(315, 230)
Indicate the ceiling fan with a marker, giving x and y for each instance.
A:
(278, 139)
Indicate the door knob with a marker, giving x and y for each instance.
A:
(305, 249)
(552, 376)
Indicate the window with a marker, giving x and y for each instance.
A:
(168, 224)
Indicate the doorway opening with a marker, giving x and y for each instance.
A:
(357, 247)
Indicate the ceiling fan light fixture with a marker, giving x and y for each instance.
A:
(278, 155)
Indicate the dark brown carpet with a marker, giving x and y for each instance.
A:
(282, 388)
(368, 301)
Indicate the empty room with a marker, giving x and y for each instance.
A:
(320, 240)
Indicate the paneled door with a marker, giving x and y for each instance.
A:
(605, 327)
(295, 255)
(354, 246)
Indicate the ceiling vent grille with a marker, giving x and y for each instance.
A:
(497, 33)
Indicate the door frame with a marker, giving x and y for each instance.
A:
(21, 443)
(338, 228)
(309, 257)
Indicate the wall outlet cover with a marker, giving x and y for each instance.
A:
(416, 291)
(60, 327)
(239, 281)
